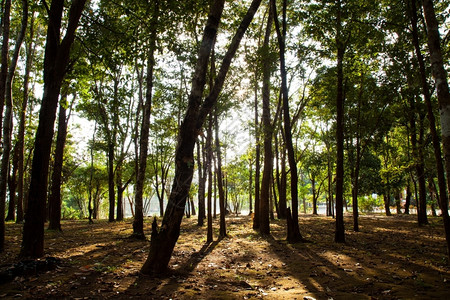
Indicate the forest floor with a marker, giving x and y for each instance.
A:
(390, 258)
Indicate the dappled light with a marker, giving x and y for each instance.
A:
(101, 260)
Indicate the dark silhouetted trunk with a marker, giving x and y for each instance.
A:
(54, 199)
(163, 240)
(55, 64)
(386, 201)
(295, 235)
(7, 118)
(257, 160)
(138, 222)
(440, 76)
(264, 225)
(111, 191)
(209, 151)
(340, 230)
(5, 22)
(22, 118)
(12, 186)
(201, 166)
(220, 180)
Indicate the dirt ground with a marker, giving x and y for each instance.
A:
(390, 258)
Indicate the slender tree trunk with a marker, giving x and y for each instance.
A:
(340, 230)
(138, 222)
(420, 166)
(264, 226)
(12, 186)
(163, 241)
(281, 185)
(55, 63)
(111, 193)
(4, 60)
(209, 151)
(91, 177)
(54, 199)
(222, 205)
(215, 187)
(408, 198)
(22, 118)
(6, 98)
(201, 183)
(281, 35)
(440, 76)
(256, 222)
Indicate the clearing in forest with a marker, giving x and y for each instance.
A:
(390, 258)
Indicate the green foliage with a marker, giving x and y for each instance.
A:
(369, 204)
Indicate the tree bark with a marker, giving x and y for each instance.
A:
(138, 222)
(163, 241)
(12, 186)
(201, 183)
(340, 230)
(256, 222)
(440, 77)
(281, 35)
(55, 63)
(4, 60)
(209, 151)
(54, 199)
(22, 118)
(264, 225)
(220, 185)
(7, 119)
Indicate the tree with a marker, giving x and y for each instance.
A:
(54, 199)
(55, 62)
(138, 223)
(7, 119)
(264, 225)
(443, 94)
(163, 240)
(294, 235)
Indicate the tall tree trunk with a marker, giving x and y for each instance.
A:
(295, 235)
(120, 190)
(163, 240)
(408, 198)
(256, 222)
(340, 230)
(92, 200)
(22, 118)
(55, 63)
(138, 222)
(6, 97)
(264, 226)
(281, 212)
(4, 60)
(12, 186)
(313, 187)
(201, 183)
(440, 76)
(386, 201)
(209, 151)
(430, 113)
(111, 193)
(220, 179)
(420, 166)
(54, 199)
